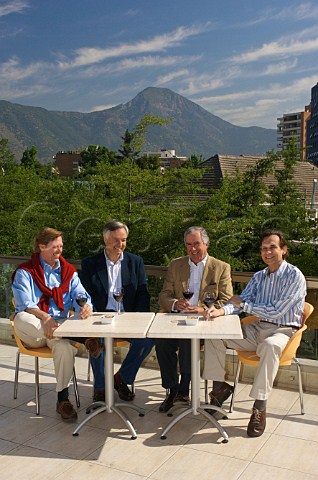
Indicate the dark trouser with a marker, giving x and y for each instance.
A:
(138, 351)
(166, 350)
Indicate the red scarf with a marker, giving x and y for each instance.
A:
(34, 267)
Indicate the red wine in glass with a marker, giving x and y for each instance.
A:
(81, 299)
(187, 294)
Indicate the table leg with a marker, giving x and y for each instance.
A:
(109, 406)
(195, 408)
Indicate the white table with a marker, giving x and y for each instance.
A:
(124, 325)
(167, 325)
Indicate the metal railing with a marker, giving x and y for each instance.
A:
(156, 275)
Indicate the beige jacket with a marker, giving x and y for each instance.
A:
(216, 279)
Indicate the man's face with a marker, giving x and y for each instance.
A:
(115, 244)
(196, 249)
(52, 251)
(272, 253)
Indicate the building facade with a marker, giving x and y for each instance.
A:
(293, 126)
(312, 128)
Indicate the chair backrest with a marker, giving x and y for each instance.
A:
(291, 348)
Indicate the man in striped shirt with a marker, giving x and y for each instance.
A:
(276, 296)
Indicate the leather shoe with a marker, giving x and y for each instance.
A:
(182, 398)
(66, 410)
(257, 423)
(219, 396)
(99, 396)
(123, 391)
(167, 403)
(94, 346)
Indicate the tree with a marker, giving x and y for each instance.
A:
(6, 157)
(29, 159)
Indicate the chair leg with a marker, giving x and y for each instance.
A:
(37, 386)
(88, 368)
(300, 385)
(16, 376)
(235, 385)
(206, 389)
(78, 403)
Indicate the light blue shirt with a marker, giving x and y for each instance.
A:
(276, 297)
(196, 273)
(27, 294)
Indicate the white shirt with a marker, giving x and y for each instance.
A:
(196, 272)
(114, 281)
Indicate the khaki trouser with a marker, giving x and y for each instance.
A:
(29, 328)
(266, 339)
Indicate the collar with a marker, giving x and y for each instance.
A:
(109, 262)
(279, 272)
(46, 265)
(203, 262)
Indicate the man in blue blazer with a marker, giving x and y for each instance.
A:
(101, 274)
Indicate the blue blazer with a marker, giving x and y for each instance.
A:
(94, 278)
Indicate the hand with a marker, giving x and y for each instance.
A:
(213, 312)
(85, 311)
(194, 309)
(49, 326)
(181, 304)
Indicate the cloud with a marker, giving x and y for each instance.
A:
(16, 6)
(99, 108)
(171, 76)
(277, 48)
(88, 55)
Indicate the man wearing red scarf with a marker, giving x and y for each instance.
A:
(44, 289)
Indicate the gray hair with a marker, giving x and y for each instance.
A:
(112, 226)
(204, 235)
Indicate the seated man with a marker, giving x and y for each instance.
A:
(276, 295)
(101, 275)
(44, 289)
(202, 275)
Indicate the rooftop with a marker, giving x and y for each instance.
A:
(41, 447)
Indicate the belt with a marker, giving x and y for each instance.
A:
(280, 325)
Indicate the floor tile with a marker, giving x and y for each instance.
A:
(189, 464)
(32, 464)
(300, 456)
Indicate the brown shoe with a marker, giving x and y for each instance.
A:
(94, 346)
(66, 410)
(257, 423)
(218, 397)
(182, 398)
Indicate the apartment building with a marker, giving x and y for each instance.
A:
(293, 126)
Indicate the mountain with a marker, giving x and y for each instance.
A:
(193, 129)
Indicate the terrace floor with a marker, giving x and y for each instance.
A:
(42, 447)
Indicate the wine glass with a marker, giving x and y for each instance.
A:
(118, 294)
(81, 299)
(187, 294)
(208, 300)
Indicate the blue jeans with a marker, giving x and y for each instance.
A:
(138, 351)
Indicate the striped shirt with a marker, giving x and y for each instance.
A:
(276, 297)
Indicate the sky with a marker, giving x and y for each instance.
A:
(246, 61)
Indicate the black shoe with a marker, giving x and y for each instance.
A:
(167, 403)
(99, 397)
(123, 391)
(219, 396)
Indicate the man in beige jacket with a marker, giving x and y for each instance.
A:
(193, 276)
